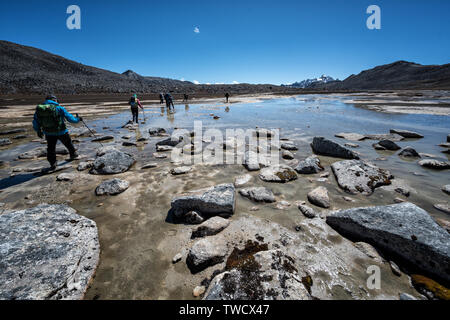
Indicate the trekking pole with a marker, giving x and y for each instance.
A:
(88, 129)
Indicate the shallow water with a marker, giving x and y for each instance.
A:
(136, 240)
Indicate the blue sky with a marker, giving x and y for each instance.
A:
(254, 41)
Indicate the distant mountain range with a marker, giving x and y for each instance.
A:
(27, 70)
(310, 82)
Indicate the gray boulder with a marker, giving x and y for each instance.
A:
(172, 141)
(444, 207)
(112, 162)
(389, 145)
(218, 200)
(180, 170)
(309, 166)
(392, 137)
(403, 231)
(279, 173)
(258, 194)
(265, 275)
(103, 138)
(326, 147)
(5, 142)
(46, 252)
(446, 189)
(84, 165)
(307, 211)
(241, 180)
(434, 164)
(288, 146)
(287, 155)
(351, 136)
(210, 227)
(409, 153)
(112, 187)
(406, 133)
(319, 197)
(206, 252)
(357, 176)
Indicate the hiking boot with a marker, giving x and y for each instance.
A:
(74, 156)
(53, 167)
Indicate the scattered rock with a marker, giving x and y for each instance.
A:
(210, 227)
(326, 147)
(409, 152)
(48, 253)
(258, 194)
(389, 145)
(446, 189)
(402, 230)
(66, 177)
(193, 217)
(369, 251)
(242, 180)
(287, 155)
(351, 136)
(206, 252)
(377, 146)
(319, 197)
(172, 141)
(309, 166)
(406, 296)
(126, 137)
(5, 142)
(112, 162)
(180, 170)
(217, 200)
(434, 164)
(307, 211)
(357, 176)
(177, 258)
(163, 148)
(156, 131)
(112, 187)
(129, 144)
(159, 155)
(406, 133)
(348, 199)
(444, 207)
(103, 138)
(85, 165)
(104, 150)
(351, 145)
(402, 191)
(253, 161)
(149, 165)
(393, 137)
(279, 173)
(199, 290)
(399, 200)
(395, 269)
(289, 146)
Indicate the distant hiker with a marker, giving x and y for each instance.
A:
(186, 97)
(227, 96)
(169, 101)
(161, 98)
(135, 105)
(49, 121)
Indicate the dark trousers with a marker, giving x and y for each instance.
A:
(169, 103)
(51, 146)
(135, 112)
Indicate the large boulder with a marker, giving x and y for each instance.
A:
(258, 194)
(265, 275)
(46, 252)
(215, 201)
(357, 176)
(319, 197)
(409, 152)
(326, 147)
(403, 231)
(309, 166)
(112, 187)
(279, 173)
(112, 162)
(406, 133)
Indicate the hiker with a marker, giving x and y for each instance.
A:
(161, 98)
(186, 97)
(227, 95)
(49, 121)
(169, 101)
(135, 105)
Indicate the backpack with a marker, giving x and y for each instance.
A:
(49, 118)
(132, 102)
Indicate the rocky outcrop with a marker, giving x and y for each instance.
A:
(258, 194)
(406, 133)
(326, 147)
(215, 201)
(112, 162)
(280, 173)
(112, 187)
(265, 275)
(319, 197)
(434, 164)
(357, 176)
(309, 166)
(404, 231)
(210, 227)
(47, 252)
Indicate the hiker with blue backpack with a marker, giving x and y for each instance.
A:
(135, 105)
(49, 121)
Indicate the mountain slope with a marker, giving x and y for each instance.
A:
(397, 75)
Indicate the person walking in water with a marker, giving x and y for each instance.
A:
(169, 101)
(135, 105)
(186, 98)
(227, 96)
(161, 98)
(49, 121)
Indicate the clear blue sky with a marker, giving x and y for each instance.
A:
(254, 41)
